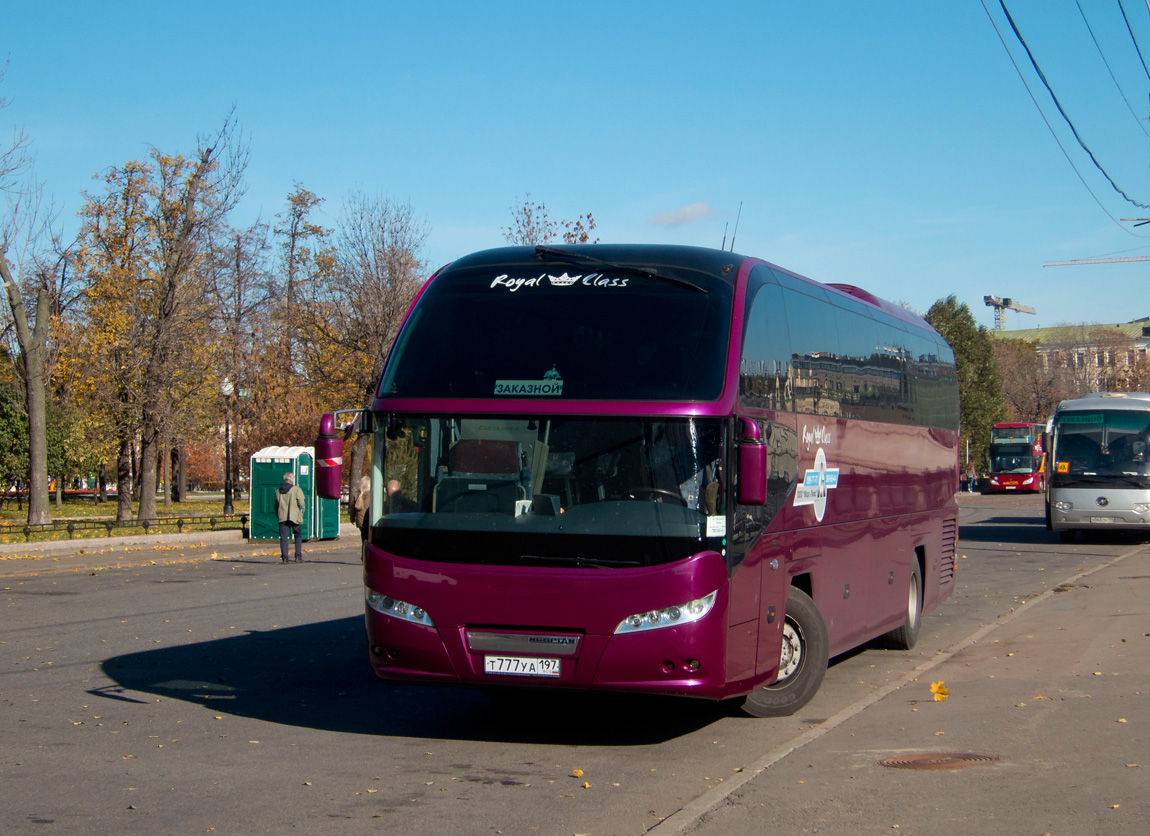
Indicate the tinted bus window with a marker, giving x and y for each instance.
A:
(765, 372)
(566, 334)
(864, 376)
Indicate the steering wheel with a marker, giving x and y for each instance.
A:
(654, 494)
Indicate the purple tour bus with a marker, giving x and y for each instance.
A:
(655, 469)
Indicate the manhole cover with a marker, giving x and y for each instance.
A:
(936, 760)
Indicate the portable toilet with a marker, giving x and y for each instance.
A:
(268, 466)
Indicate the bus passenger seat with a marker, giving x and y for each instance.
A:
(484, 478)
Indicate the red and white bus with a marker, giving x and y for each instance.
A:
(652, 469)
(1017, 460)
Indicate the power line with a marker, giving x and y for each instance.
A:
(1138, 119)
(1061, 110)
(1050, 127)
(1133, 40)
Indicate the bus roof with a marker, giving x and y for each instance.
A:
(721, 264)
(1107, 400)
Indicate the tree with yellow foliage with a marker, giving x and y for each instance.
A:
(149, 331)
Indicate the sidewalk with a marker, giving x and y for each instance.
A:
(1046, 731)
(145, 549)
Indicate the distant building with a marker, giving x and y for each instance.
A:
(1099, 357)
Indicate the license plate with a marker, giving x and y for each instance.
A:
(1098, 520)
(521, 665)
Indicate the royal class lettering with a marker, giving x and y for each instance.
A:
(562, 280)
(603, 281)
(514, 284)
(816, 436)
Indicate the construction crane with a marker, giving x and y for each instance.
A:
(1102, 260)
(1001, 306)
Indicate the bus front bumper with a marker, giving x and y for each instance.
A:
(474, 633)
(1085, 509)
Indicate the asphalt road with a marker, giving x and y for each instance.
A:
(219, 691)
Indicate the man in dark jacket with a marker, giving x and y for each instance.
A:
(289, 512)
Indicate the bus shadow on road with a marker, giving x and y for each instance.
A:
(1012, 529)
(1028, 530)
(316, 676)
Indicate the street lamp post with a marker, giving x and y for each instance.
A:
(226, 390)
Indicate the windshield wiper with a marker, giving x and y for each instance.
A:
(1135, 479)
(578, 560)
(544, 251)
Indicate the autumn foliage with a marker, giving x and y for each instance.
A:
(164, 329)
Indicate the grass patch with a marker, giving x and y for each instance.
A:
(89, 519)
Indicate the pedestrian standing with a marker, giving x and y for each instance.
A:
(289, 512)
(361, 505)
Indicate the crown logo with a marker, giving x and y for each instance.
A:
(562, 281)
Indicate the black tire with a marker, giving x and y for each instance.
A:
(803, 663)
(904, 637)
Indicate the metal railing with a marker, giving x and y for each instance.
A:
(221, 522)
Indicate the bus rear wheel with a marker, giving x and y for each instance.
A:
(904, 637)
(802, 663)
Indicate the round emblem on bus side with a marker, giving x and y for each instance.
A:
(1102, 501)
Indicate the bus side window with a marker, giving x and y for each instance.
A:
(765, 370)
(817, 355)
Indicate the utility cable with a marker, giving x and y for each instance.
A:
(1061, 110)
(1050, 127)
(1133, 40)
(1141, 122)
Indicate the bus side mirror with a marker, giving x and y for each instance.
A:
(752, 473)
(348, 421)
(328, 459)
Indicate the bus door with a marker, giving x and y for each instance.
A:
(758, 556)
(775, 583)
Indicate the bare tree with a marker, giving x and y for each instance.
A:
(532, 225)
(16, 157)
(1032, 390)
(303, 244)
(379, 249)
(241, 286)
(31, 259)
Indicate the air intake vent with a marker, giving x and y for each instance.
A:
(949, 543)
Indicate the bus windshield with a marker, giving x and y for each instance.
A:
(1011, 458)
(515, 490)
(1102, 445)
(559, 332)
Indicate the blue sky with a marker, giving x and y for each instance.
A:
(890, 145)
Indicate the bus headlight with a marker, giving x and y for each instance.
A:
(395, 608)
(667, 617)
(1142, 507)
(1062, 505)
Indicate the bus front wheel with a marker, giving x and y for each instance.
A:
(802, 663)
